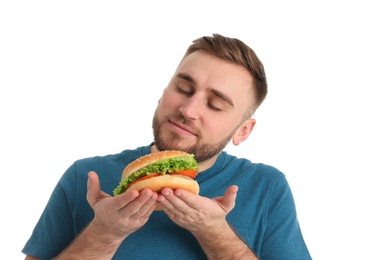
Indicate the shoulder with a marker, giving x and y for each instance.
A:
(102, 162)
(108, 167)
(250, 177)
(246, 166)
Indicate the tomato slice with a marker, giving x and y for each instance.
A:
(190, 173)
(145, 177)
(148, 176)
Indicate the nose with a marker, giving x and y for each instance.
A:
(191, 107)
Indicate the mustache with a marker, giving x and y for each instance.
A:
(183, 121)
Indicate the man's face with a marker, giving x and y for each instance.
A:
(203, 106)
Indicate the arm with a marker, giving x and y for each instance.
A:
(91, 244)
(115, 219)
(206, 220)
(224, 243)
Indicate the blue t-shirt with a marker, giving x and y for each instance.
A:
(264, 215)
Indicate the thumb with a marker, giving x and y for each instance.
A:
(93, 188)
(229, 198)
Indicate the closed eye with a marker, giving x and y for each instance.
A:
(184, 90)
(214, 107)
(215, 104)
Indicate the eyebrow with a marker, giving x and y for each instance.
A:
(186, 77)
(214, 91)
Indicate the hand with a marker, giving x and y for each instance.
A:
(121, 215)
(206, 219)
(196, 213)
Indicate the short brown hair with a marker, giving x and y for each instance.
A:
(235, 51)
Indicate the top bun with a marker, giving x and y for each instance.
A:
(149, 159)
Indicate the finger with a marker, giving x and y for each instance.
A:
(177, 199)
(162, 200)
(93, 188)
(142, 204)
(228, 200)
(148, 208)
(122, 200)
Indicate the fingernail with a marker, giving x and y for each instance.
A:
(166, 193)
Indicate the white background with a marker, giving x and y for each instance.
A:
(82, 78)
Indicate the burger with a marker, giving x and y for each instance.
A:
(172, 168)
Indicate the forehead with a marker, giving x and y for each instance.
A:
(211, 73)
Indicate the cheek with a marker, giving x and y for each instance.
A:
(168, 102)
(215, 128)
(221, 128)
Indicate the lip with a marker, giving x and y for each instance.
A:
(178, 127)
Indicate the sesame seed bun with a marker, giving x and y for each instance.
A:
(157, 183)
(149, 159)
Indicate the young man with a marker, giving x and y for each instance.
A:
(210, 100)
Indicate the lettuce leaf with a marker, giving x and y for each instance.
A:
(164, 166)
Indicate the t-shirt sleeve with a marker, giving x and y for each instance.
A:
(53, 232)
(283, 238)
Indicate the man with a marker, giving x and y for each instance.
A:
(210, 100)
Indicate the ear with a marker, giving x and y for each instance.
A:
(243, 132)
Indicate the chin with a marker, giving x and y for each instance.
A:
(174, 145)
(167, 140)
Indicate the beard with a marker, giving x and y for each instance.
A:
(167, 140)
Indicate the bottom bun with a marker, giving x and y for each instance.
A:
(173, 181)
